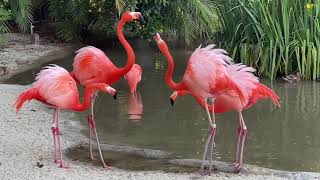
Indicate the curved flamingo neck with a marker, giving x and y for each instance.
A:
(87, 99)
(171, 83)
(131, 57)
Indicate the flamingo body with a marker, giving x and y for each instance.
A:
(228, 101)
(54, 86)
(91, 63)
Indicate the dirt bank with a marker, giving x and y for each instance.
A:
(18, 54)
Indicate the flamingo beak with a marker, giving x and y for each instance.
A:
(172, 102)
(142, 19)
(115, 95)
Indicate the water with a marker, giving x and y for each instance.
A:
(285, 138)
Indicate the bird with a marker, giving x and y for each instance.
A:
(55, 87)
(134, 77)
(207, 77)
(91, 65)
(231, 102)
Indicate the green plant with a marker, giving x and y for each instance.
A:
(4, 17)
(274, 36)
(193, 19)
(22, 13)
(189, 19)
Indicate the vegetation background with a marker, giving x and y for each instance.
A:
(277, 37)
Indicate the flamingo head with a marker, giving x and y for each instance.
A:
(173, 97)
(112, 91)
(157, 38)
(161, 44)
(130, 16)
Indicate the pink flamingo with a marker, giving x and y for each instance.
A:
(230, 101)
(91, 65)
(134, 77)
(207, 77)
(56, 88)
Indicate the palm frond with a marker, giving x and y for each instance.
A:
(198, 18)
(22, 10)
(4, 17)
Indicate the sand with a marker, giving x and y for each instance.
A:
(26, 138)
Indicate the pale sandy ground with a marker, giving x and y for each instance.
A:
(26, 138)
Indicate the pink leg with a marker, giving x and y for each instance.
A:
(59, 142)
(92, 125)
(243, 134)
(212, 126)
(238, 146)
(54, 133)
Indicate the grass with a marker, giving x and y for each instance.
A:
(277, 37)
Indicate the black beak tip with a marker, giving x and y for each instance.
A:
(115, 96)
(142, 19)
(172, 102)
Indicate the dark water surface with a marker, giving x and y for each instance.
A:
(285, 138)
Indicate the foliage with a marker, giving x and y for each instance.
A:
(22, 13)
(4, 17)
(275, 36)
(18, 10)
(189, 19)
(193, 19)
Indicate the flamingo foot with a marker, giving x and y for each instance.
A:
(93, 158)
(234, 163)
(64, 166)
(107, 167)
(56, 161)
(237, 167)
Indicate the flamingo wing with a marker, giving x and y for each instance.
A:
(56, 86)
(261, 92)
(205, 67)
(91, 63)
(243, 76)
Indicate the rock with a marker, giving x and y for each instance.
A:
(39, 164)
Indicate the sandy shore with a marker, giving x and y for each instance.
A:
(26, 139)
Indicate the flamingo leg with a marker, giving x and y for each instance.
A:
(54, 133)
(242, 135)
(99, 148)
(238, 142)
(213, 131)
(62, 165)
(92, 125)
(212, 126)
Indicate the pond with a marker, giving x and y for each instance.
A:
(285, 138)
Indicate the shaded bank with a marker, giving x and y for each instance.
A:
(18, 54)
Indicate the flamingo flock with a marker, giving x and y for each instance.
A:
(211, 77)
